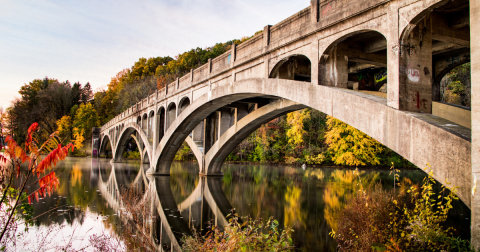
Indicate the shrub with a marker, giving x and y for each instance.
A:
(376, 219)
(252, 235)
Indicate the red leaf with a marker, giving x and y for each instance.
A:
(33, 128)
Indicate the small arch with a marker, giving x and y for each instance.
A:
(183, 104)
(160, 124)
(139, 120)
(295, 67)
(144, 123)
(151, 117)
(171, 114)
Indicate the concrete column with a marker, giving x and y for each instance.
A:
(266, 35)
(314, 10)
(210, 126)
(224, 121)
(209, 66)
(475, 72)
(416, 70)
(242, 111)
(336, 67)
(314, 57)
(177, 83)
(393, 56)
(233, 54)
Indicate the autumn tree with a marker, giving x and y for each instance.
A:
(85, 119)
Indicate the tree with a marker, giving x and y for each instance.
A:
(16, 198)
(85, 119)
(349, 146)
(64, 127)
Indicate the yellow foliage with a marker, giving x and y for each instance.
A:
(293, 214)
(295, 120)
(78, 138)
(350, 146)
(64, 126)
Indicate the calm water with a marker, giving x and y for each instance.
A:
(306, 200)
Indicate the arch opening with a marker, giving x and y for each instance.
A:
(357, 61)
(106, 150)
(145, 123)
(184, 103)
(171, 114)
(160, 124)
(130, 145)
(151, 117)
(295, 67)
(436, 41)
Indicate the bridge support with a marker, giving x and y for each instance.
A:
(475, 77)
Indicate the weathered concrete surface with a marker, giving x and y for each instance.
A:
(457, 114)
(420, 138)
(475, 52)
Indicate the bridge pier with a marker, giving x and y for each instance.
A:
(475, 78)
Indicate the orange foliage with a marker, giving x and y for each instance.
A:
(161, 82)
(51, 159)
(18, 156)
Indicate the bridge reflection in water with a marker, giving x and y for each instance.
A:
(169, 221)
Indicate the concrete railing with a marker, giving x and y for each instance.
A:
(455, 113)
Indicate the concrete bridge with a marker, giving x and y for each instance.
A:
(168, 221)
(327, 57)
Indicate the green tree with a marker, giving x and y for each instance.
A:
(85, 119)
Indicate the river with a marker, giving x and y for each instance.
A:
(305, 199)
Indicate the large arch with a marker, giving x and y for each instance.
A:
(409, 134)
(103, 144)
(125, 135)
(429, 35)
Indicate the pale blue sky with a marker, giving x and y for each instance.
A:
(93, 40)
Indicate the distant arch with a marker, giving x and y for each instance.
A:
(104, 144)
(125, 135)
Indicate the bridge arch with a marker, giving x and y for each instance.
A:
(352, 61)
(171, 114)
(105, 143)
(404, 132)
(160, 124)
(433, 44)
(294, 67)
(144, 123)
(125, 135)
(184, 102)
(139, 120)
(150, 130)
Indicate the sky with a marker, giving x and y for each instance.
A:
(91, 41)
